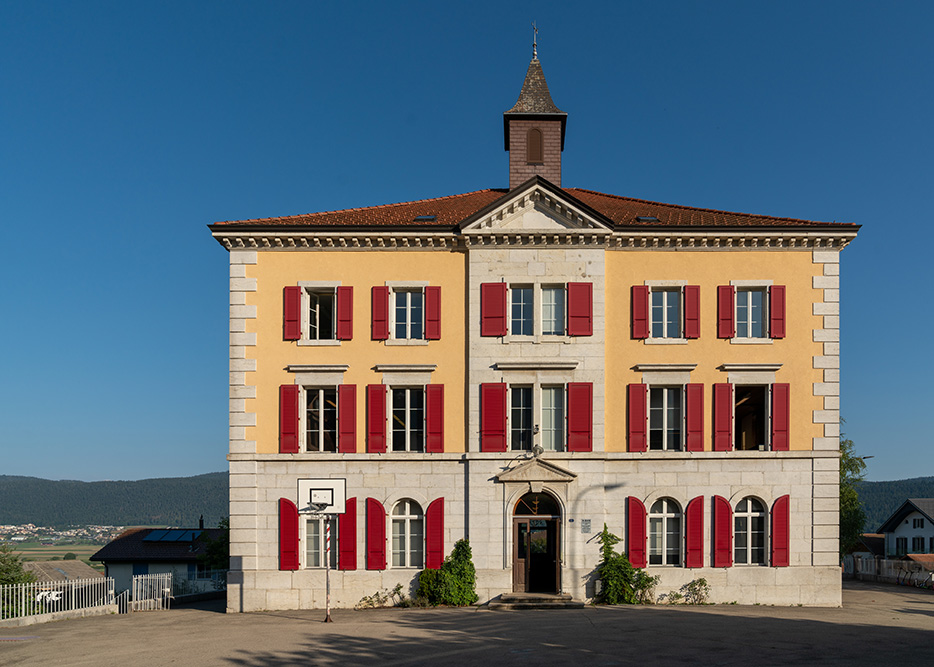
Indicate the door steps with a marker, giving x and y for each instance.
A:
(508, 601)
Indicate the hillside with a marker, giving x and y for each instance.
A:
(880, 499)
(175, 501)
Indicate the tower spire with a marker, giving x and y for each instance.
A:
(534, 41)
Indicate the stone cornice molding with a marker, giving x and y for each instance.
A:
(537, 365)
(405, 368)
(317, 368)
(749, 367)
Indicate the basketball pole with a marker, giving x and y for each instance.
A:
(327, 567)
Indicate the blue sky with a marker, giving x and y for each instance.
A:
(126, 127)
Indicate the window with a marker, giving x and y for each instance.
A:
(665, 533)
(749, 533)
(521, 418)
(917, 523)
(665, 418)
(553, 419)
(321, 419)
(522, 321)
(553, 311)
(534, 146)
(316, 542)
(917, 545)
(666, 313)
(322, 315)
(751, 417)
(901, 546)
(751, 313)
(523, 425)
(317, 312)
(408, 419)
(408, 536)
(408, 314)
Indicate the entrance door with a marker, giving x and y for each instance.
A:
(536, 567)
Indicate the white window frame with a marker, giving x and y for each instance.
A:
(304, 396)
(561, 425)
(530, 306)
(408, 413)
(538, 313)
(531, 411)
(538, 413)
(306, 541)
(563, 309)
(665, 429)
(763, 286)
(310, 287)
(749, 515)
(407, 556)
(666, 286)
(666, 516)
(396, 286)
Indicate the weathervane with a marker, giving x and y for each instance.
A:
(534, 42)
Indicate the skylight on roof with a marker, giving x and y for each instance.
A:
(646, 218)
(425, 218)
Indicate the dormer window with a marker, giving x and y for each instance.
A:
(535, 153)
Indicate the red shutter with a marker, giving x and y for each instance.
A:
(434, 426)
(777, 311)
(347, 537)
(288, 419)
(580, 416)
(692, 311)
(694, 417)
(694, 533)
(726, 326)
(780, 532)
(580, 309)
(291, 313)
(722, 417)
(288, 535)
(434, 534)
(640, 311)
(345, 313)
(781, 410)
(635, 532)
(347, 418)
(637, 423)
(493, 417)
(722, 532)
(493, 309)
(380, 306)
(376, 418)
(433, 313)
(375, 535)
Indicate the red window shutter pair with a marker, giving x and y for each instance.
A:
(434, 534)
(635, 532)
(376, 418)
(493, 417)
(494, 298)
(289, 415)
(375, 535)
(781, 532)
(694, 533)
(292, 313)
(694, 417)
(640, 311)
(722, 417)
(347, 537)
(288, 535)
(726, 304)
(638, 440)
(722, 532)
(580, 309)
(580, 416)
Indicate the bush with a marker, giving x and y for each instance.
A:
(622, 583)
(69, 556)
(455, 583)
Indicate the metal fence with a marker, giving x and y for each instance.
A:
(151, 592)
(19, 600)
(904, 572)
(188, 582)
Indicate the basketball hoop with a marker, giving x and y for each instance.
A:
(326, 498)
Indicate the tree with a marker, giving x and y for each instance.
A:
(70, 556)
(852, 514)
(11, 567)
(216, 554)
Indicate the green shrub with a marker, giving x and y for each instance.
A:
(455, 583)
(622, 583)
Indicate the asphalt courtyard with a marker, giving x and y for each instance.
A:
(888, 625)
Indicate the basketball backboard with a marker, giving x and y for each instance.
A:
(327, 496)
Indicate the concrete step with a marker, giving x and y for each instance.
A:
(508, 601)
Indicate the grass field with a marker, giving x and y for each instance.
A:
(36, 551)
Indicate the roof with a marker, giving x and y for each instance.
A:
(925, 560)
(874, 543)
(445, 213)
(61, 570)
(133, 546)
(923, 505)
(534, 97)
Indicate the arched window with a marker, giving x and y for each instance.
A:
(749, 533)
(665, 533)
(408, 534)
(535, 152)
(537, 504)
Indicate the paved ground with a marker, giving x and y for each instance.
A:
(888, 625)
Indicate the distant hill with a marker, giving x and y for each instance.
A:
(880, 499)
(170, 501)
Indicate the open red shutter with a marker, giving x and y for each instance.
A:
(347, 537)
(722, 417)
(726, 325)
(345, 312)
(640, 311)
(376, 418)
(781, 409)
(493, 417)
(347, 418)
(692, 311)
(291, 313)
(635, 532)
(780, 532)
(694, 533)
(288, 419)
(777, 311)
(380, 316)
(580, 309)
(637, 422)
(434, 427)
(375, 535)
(694, 417)
(288, 535)
(580, 416)
(434, 534)
(493, 309)
(722, 532)
(433, 312)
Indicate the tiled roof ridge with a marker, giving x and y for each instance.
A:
(362, 208)
(701, 210)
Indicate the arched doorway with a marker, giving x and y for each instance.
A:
(536, 549)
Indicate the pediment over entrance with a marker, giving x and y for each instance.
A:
(536, 470)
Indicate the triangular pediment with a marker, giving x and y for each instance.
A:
(536, 470)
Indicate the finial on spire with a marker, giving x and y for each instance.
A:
(534, 42)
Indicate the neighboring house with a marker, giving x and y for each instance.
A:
(869, 545)
(61, 570)
(520, 366)
(910, 529)
(154, 550)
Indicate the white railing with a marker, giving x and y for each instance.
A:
(19, 600)
(151, 592)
